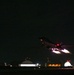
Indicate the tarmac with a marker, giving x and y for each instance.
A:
(34, 71)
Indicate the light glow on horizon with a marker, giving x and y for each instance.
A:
(67, 64)
(30, 65)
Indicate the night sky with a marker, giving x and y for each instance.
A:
(23, 22)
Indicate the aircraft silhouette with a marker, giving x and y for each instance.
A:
(57, 48)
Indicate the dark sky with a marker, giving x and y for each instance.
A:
(23, 22)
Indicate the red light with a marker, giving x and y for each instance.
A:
(68, 60)
(58, 44)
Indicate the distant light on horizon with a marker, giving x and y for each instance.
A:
(29, 65)
(67, 64)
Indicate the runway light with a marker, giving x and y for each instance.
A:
(54, 65)
(29, 65)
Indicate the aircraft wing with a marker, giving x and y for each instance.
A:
(46, 42)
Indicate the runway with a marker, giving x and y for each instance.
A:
(33, 68)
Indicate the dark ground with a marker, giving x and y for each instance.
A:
(35, 71)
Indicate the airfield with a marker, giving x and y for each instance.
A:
(34, 71)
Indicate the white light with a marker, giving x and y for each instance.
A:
(57, 52)
(65, 51)
(37, 64)
(55, 49)
(29, 65)
(67, 64)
